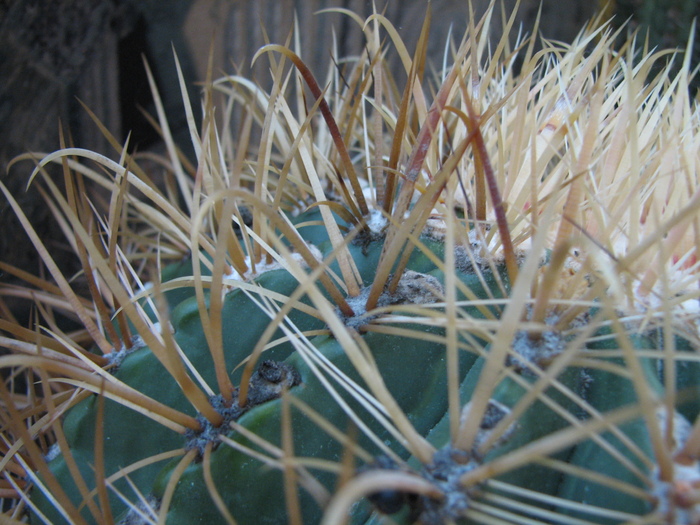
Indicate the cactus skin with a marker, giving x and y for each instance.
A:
(130, 437)
(419, 389)
(416, 389)
(608, 390)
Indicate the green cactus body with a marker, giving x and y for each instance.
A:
(417, 389)
(607, 391)
(686, 373)
(536, 422)
(130, 437)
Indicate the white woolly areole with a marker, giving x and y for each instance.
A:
(261, 268)
(376, 222)
(413, 288)
(670, 495)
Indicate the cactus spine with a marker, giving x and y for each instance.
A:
(469, 307)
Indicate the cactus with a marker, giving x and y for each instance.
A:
(476, 308)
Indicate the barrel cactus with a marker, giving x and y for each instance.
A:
(369, 304)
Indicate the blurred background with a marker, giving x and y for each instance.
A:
(53, 54)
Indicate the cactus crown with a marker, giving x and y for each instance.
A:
(477, 304)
